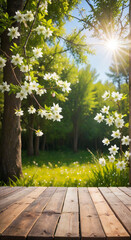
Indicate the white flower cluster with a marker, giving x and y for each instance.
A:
(30, 86)
(2, 62)
(64, 85)
(118, 121)
(52, 114)
(24, 17)
(41, 30)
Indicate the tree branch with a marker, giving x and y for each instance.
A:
(25, 44)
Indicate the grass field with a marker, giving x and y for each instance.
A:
(65, 168)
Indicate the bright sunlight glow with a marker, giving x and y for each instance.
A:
(112, 44)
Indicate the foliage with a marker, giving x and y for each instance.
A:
(68, 169)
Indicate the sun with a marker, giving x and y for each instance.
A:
(112, 44)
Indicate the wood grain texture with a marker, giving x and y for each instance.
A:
(40, 213)
(120, 210)
(122, 196)
(111, 225)
(22, 225)
(6, 202)
(89, 220)
(126, 190)
(8, 191)
(10, 214)
(68, 226)
(71, 201)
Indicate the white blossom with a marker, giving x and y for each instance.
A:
(34, 86)
(37, 52)
(105, 109)
(42, 112)
(48, 33)
(111, 158)
(127, 154)
(41, 30)
(102, 161)
(116, 134)
(28, 78)
(56, 108)
(121, 165)
(125, 140)
(19, 112)
(119, 123)
(29, 16)
(49, 115)
(43, 6)
(66, 87)
(2, 62)
(16, 59)
(22, 95)
(19, 17)
(57, 117)
(55, 76)
(117, 96)
(113, 149)
(47, 76)
(31, 110)
(24, 68)
(26, 88)
(41, 91)
(106, 141)
(106, 95)
(109, 120)
(13, 32)
(118, 115)
(4, 87)
(39, 133)
(99, 117)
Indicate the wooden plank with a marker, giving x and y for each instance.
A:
(7, 191)
(71, 200)
(120, 210)
(22, 225)
(111, 225)
(126, 190)
(5, 203)
(10, 214)
(46, 224)
(68, 226)
(89, 220)
(56, 203)
(122, 196)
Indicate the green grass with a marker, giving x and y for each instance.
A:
(65, 168)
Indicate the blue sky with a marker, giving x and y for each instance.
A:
(102, 58)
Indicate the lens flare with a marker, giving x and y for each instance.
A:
(112, 44)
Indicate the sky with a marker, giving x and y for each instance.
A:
(102, 58)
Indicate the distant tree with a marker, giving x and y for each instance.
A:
(81, 100)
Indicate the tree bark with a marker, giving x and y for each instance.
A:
(43, 142)
(37, 141)
(130, 93)
(11, 165)
(30, 147)
(75, 140)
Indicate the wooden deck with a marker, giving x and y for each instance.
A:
(37, 213)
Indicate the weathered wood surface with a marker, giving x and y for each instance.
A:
(40, 213)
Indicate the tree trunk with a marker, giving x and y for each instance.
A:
(43, 142)
(11, 165)
(75, 137)
(130, 93)
(37, 145)
(30, 147)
